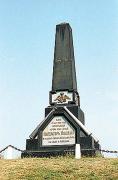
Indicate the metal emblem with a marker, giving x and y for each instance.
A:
(62, 98)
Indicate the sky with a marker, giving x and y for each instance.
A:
(27, 35)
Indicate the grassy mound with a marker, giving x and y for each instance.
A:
(59, 169)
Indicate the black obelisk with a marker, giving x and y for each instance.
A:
(64, 73)
(63, 126)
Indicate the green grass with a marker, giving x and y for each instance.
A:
(59, 168)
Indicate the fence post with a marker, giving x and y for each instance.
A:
(77, 151)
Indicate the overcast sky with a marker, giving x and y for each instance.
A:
(27, 34)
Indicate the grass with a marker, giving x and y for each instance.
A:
(61, 168)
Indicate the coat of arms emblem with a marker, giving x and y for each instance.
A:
(62, 98)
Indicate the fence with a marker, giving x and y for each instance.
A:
(17, 149)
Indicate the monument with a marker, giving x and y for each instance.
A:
(64, 125)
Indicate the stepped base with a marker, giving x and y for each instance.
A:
(40, 154)
(88, 148)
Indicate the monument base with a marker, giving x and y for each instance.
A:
(87, 144)
(41, 154)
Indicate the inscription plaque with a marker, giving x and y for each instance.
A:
(58, 132)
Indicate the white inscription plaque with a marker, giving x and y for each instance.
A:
(58, 132)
